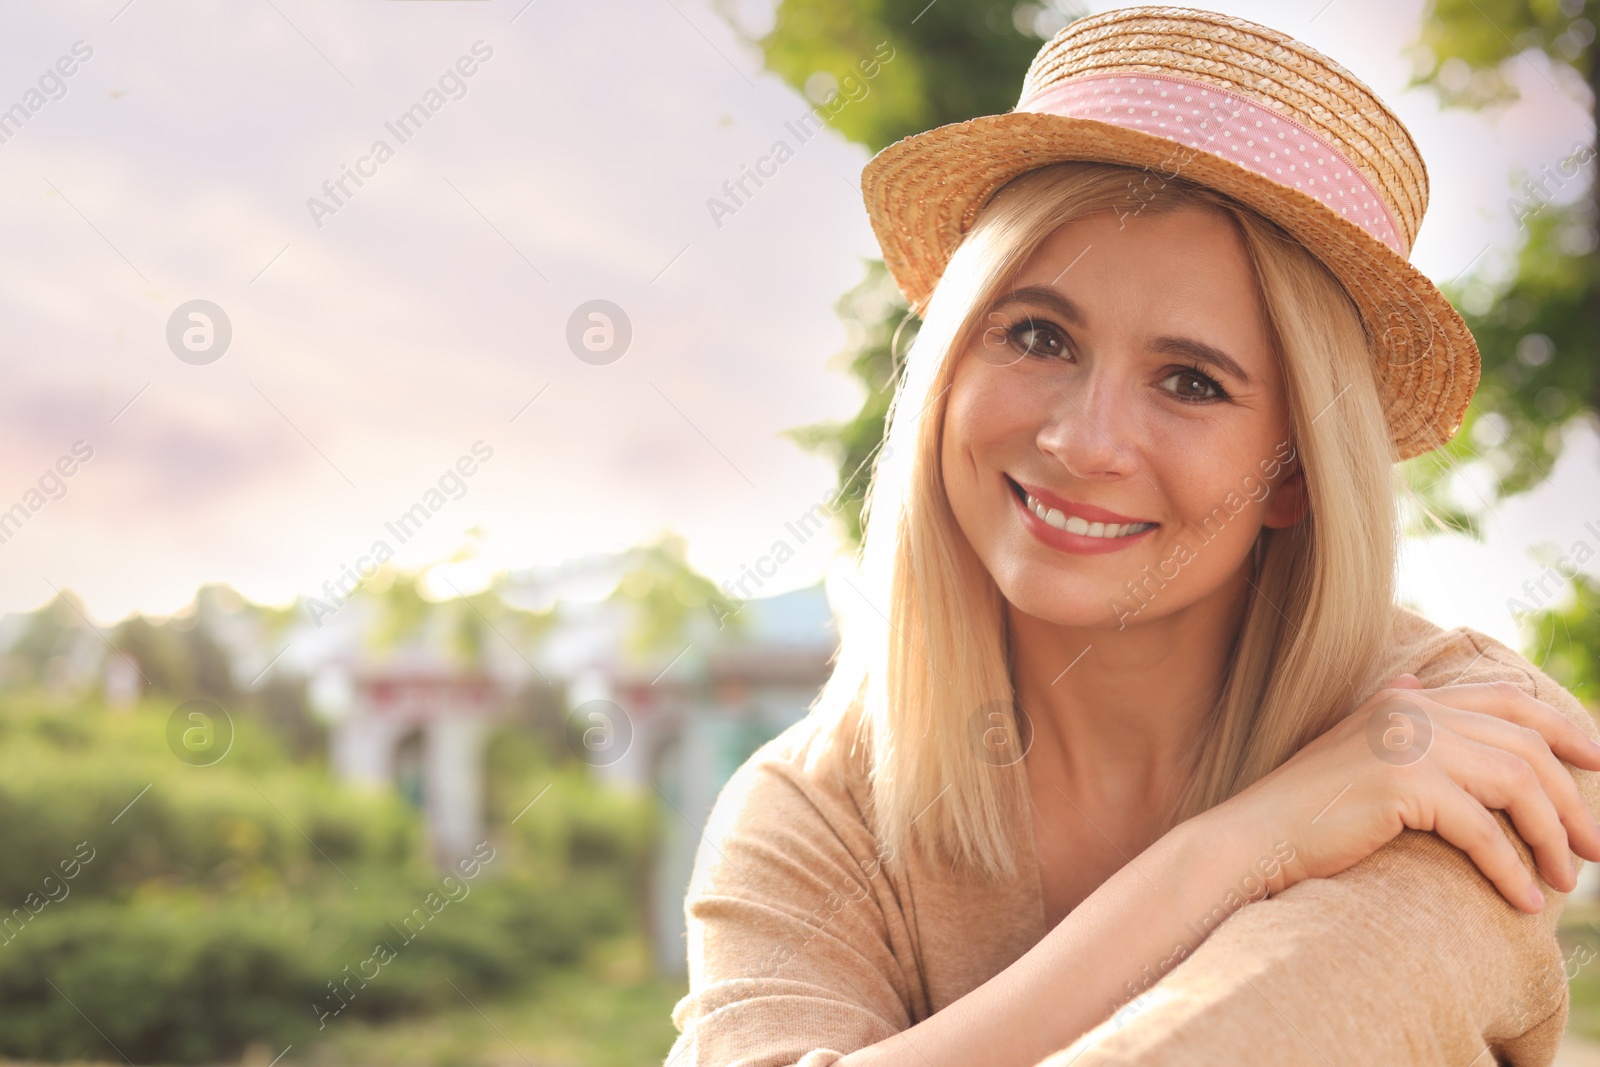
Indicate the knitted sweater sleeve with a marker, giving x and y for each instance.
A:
(1409, 957)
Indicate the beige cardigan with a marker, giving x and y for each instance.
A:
(803, 947)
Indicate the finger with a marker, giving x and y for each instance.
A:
(1505, 701)
(1403, 681)
(1502, 780)
(1583, 832)
(1466, 824)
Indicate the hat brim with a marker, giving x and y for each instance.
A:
(924, 192)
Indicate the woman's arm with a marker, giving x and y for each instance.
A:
(800, 952)
(1135, 926)
(1410, 956)
(792, 959)
(796, 941)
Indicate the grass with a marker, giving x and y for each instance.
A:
(1579, 934)
(614, 1011)
(611, 1012)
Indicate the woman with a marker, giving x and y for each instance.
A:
(1128, 688)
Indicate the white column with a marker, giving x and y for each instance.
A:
(362, 748)
(453, 762)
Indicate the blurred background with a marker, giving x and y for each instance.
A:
(432, 439)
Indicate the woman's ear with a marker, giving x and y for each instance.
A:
(1287, 503)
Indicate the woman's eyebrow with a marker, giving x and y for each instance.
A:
(1201, 352)
(1044, 296)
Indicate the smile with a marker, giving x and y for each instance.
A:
(1075, 534)
(1073, 524)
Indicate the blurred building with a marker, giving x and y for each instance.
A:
(699, 721)
(417, 717)
(414, 714)
(423, 730)
(678, 725)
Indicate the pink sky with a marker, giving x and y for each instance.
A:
(375, 343)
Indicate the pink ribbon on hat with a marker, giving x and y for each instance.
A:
(1229, 125)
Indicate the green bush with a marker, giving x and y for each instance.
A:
(182, 979)
(201, 919)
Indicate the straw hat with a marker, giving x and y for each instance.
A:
(1232, 105)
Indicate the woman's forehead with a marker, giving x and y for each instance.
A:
(1184, 271)
(1164, 240)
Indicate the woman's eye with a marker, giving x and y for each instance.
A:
(1192, 385)
(1034, 338)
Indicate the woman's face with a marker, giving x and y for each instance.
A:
(1117, 431)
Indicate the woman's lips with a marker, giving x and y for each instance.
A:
(1070, 529)
(1088, 512)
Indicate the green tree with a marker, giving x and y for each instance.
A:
(946, 61)
(667, 597)
(464, 625)
(49, 633)
(1566, 639)
(1539, 334)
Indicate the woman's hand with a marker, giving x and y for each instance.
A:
(1432, 759)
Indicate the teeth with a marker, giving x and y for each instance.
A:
(1073, 524)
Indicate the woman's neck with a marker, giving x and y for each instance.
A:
(1116, 713)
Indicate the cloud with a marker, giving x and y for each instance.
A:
(428, 310)
(432, 307)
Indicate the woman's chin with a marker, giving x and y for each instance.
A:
(1062, 601)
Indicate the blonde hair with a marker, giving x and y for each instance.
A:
(924, 647)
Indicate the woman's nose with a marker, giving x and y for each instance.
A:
(1090, 428)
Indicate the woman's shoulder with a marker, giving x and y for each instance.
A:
(1462, 655)
(805, 790)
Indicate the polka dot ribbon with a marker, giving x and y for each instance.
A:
(1228, 125)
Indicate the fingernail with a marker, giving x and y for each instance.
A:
(1538, 898)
